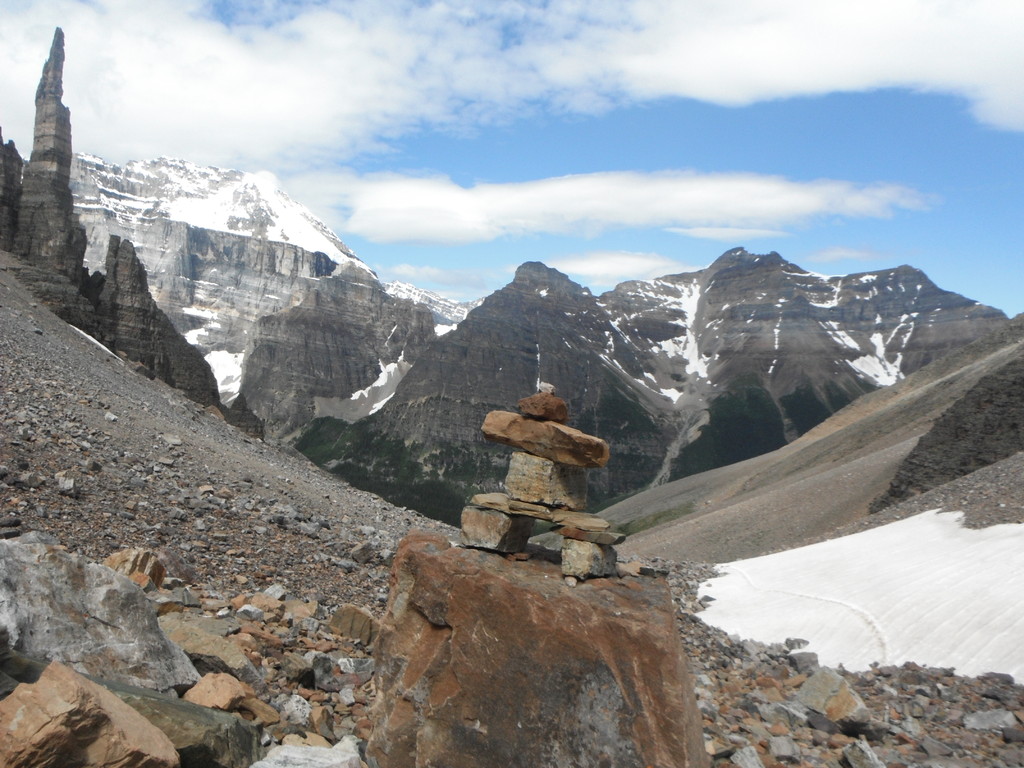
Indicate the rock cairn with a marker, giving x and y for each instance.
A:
(546, 481)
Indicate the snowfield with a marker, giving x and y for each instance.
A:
(924, 589)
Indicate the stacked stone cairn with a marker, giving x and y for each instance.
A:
(546, 480)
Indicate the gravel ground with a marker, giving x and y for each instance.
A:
(101, 458)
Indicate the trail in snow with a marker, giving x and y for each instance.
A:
(870, 623)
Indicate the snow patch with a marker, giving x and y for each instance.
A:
(924, 589)
(227, 369)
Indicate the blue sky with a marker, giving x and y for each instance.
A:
(447, 143)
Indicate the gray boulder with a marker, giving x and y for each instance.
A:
(59, 606)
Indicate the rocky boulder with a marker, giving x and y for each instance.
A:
(64, 719)
(548, 439)
(488, 661)
(61, 607)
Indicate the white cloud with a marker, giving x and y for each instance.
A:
(391, 208)
(467, 281)
(605, 269)
(727, 234)
(290, 85)
(842, 253)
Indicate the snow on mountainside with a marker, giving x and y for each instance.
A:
(448, 312)
(897, 593)
(223, 200)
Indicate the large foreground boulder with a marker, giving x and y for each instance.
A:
(65, 719)
(61, 607)
(484, 660)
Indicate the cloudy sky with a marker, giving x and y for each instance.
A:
(448, 142)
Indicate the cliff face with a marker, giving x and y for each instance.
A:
(680, 374)
(49, 235)
(338, 353)
(213, 283)
(132, 323)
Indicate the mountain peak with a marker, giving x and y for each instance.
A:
(535, 276)
(737, 257)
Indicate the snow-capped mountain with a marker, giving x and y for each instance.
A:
(218, 199)
(447, 312)
(224, 249)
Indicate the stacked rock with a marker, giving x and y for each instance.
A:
(546, 480)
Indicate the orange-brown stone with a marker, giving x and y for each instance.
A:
(476, 651)
(545, 406)
(546, 438)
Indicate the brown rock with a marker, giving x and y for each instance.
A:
(546, 438)
(596, 537)
(545, 406)
(537, 480)
(217, 691)
(585, 559)
(497, 501)
(516, 507)
(258, 710)
(484, 661)
(65, 719)
(490, 529)
(271, 606)
(209, 652)
(138, 561)
(355, 623)
(827, 692)
(580, 520)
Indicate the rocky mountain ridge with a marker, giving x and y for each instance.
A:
(681, 374)
(686, 372)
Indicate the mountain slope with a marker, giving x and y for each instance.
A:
(817, 484)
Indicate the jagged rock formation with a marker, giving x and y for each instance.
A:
(132, 323)
(115, 308)
(489, 661)
(49, 235)
(11, 166)
(984, 426)
(338, 353)
(680, 374)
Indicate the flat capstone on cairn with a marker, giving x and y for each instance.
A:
(546, 480)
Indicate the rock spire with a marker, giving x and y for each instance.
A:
(48, 234)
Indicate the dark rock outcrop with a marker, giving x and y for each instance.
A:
(11, 166)
(132, 323)
(115, 308)
(487, 661)
(984, 426)
(49, 235)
